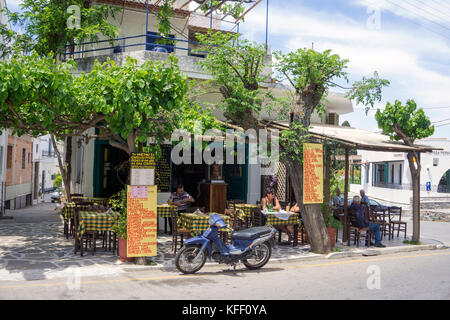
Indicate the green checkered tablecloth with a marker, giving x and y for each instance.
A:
(95, 221)
(271, 219)
(68, 210)
(163, 210)
(245, 209)
(198, 223)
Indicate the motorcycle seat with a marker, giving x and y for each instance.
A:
(251, 233)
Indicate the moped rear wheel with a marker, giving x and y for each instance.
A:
(259, 256)
(190, 259)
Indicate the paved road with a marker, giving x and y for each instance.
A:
(417, 275)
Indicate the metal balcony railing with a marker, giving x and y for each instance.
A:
(145, 44)
(48, 154)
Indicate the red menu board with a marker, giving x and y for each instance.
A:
(312, 173)
(141, 221)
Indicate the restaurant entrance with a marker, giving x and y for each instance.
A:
(236, 176)
(109, 175)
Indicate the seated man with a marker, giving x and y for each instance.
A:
(364, 198)
(361, 221)
(180, 199)
(338, 200)
(338, 204)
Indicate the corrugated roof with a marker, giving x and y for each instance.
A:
(358, 138)
(353, 138)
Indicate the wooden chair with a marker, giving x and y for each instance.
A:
(356, 231)
(401, 225)
(378, 216)
(176, 231)
(257, 218)
(88, 236)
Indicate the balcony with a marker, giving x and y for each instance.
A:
(48, 154)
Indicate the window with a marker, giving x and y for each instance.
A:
(9, 157)
(367, 172)
(24, 152)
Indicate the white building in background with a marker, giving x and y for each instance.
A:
(94, 165)
(385, 176)
(45, 166)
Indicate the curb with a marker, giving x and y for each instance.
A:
(314, 257)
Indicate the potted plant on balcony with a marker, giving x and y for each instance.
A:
(118, 203)
(164, 14)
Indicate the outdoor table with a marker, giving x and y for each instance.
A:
(96, 221)
(199, 223)
(246, 209)
(68, 212)
(294, 219)
(164, 211)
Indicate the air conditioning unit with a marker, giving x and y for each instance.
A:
(333, 118)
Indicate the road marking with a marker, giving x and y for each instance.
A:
(178, 276)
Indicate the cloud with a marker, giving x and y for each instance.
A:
(412, 58)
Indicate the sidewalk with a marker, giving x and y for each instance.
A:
(32, 247)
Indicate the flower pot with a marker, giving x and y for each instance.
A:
(123, 251)
(332, 234)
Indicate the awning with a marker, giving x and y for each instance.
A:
(349, 137)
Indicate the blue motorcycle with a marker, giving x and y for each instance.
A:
(251, 246)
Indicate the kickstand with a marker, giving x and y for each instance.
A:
(234, 268)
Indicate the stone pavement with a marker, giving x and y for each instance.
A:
(32, 247)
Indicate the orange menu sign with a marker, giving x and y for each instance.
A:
(141, 221)
(312, 173)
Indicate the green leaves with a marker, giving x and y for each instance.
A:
(368, 90)
(44, 24)
(238, 67)
(403, 122)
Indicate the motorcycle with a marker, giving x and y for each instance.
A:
(251, 246)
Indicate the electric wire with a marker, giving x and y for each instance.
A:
(431, 13)
(418, 15)
(420, 24)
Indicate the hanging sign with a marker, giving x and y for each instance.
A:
(312, 173)
(142, 169)
(141, 221)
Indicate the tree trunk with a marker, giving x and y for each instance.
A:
(68, 164)
(415, 176)
(311, 213)
(61, 169)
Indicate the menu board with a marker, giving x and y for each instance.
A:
(163, 170)
(142, 169)
(141, 221)
(312, 173)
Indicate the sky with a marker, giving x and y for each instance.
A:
(406, 41)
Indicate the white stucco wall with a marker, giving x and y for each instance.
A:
(429, 172)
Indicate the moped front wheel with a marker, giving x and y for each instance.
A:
(190, 259)
(258, 257)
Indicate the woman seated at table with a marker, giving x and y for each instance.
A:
(270, 202)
